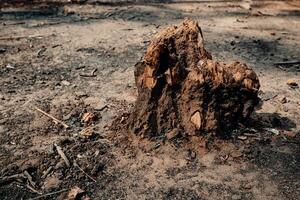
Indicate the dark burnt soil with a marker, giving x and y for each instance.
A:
(75, 59)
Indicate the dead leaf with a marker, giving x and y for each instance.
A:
(88, 132)
(74, 192)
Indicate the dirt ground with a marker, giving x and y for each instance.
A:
(70, 59)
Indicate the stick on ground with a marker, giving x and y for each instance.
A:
(49, 194)
(75, 164)
(62, 155)
(54, 119)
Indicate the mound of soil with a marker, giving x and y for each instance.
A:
(181, 90)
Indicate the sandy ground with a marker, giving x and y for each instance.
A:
(71, 59)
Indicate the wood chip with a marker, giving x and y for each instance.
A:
(196, 119)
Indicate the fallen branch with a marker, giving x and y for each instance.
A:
(20, 37)
(49, 194)
(295, 62)
(47, 172)
(29, 178)
(33, 190)
(53, 118)
(8, 179)
(75, 164)
(62, 155)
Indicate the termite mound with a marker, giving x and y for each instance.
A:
(181, 90)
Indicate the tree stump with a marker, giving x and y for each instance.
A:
(181, 90)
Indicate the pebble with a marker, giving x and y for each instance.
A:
(66, 83)
(2, 50)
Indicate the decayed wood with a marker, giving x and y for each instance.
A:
(180, 87)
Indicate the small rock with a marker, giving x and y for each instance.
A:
(272, 130)
(66, 83)
(272, 33)
(292, 83)
(10, 66)
(80, 94)
(2, 50)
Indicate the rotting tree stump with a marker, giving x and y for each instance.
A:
(181, 90)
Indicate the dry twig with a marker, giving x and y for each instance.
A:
(62, 155)
(75, 164)
(49, 194)
(54, 119)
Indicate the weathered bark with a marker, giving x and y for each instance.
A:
(181, 89)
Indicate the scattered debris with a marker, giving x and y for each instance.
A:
(76, 165)
(172, 134)
(66, 83)
(74, 192)
(272, 130)
(242, 137)
(283, 100)
(10, 66)
(62, 155)
(224, 157)
(49, 194)
(2, 50)
(48, 171)
(295, 62)
(88, 117)
(53, 118)
(236, 154)
(87, 132)
(29, 178)
(41, 52)
(290, 133)
(96, 103)
(8, 179)
(20, 37)
(92, 74)
(292, 83)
